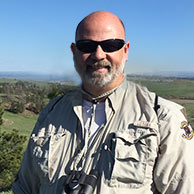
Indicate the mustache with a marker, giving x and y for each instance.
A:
(96, 64)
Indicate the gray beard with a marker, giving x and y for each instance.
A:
(99, 79)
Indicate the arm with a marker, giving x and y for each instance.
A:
(174, 169)
(28, 179)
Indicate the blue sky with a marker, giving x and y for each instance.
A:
(35, 35)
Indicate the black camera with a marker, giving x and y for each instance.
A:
(81, 183)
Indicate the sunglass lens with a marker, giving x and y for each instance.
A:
(86, 46)
(90, 46)
(112, 45)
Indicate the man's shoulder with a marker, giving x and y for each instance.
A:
(138, 88)
(169, 108)
(141, 92)
(169, 104)
(165, 105)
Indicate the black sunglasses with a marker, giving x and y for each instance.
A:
(90, 46)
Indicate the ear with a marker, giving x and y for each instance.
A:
(73, 48)
(126, 50)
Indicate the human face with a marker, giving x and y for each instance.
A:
(99, 73)
(99, 68)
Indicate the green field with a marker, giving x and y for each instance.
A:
(21, 122)
(168, 88)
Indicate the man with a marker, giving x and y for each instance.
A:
(109, 136)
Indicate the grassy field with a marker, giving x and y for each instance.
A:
(168, 88)
(22, 122)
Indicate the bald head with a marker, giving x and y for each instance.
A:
(100, 69)
(100, 21)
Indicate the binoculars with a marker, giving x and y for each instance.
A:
(80, 183)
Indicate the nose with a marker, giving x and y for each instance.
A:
(99, 54)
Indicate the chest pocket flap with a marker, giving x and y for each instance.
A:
(130, 156)
(129, 147)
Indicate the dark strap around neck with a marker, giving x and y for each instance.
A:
(156, 105)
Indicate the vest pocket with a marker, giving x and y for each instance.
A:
(130, 158)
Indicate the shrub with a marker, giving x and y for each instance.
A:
(11, 153)
(17, 107)
(1, 114)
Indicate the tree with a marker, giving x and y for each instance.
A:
(17, 107)
(60, 89)
(11, 153)
(1, 114)
(36, 106)
(11, 146)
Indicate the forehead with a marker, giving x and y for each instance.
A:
(100, 28)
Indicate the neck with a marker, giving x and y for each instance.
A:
(100, 93)
(99, 98)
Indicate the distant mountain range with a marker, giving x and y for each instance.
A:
(39, 77)
(175, 74)
(75, 78)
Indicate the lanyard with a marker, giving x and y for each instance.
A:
(86, 153)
